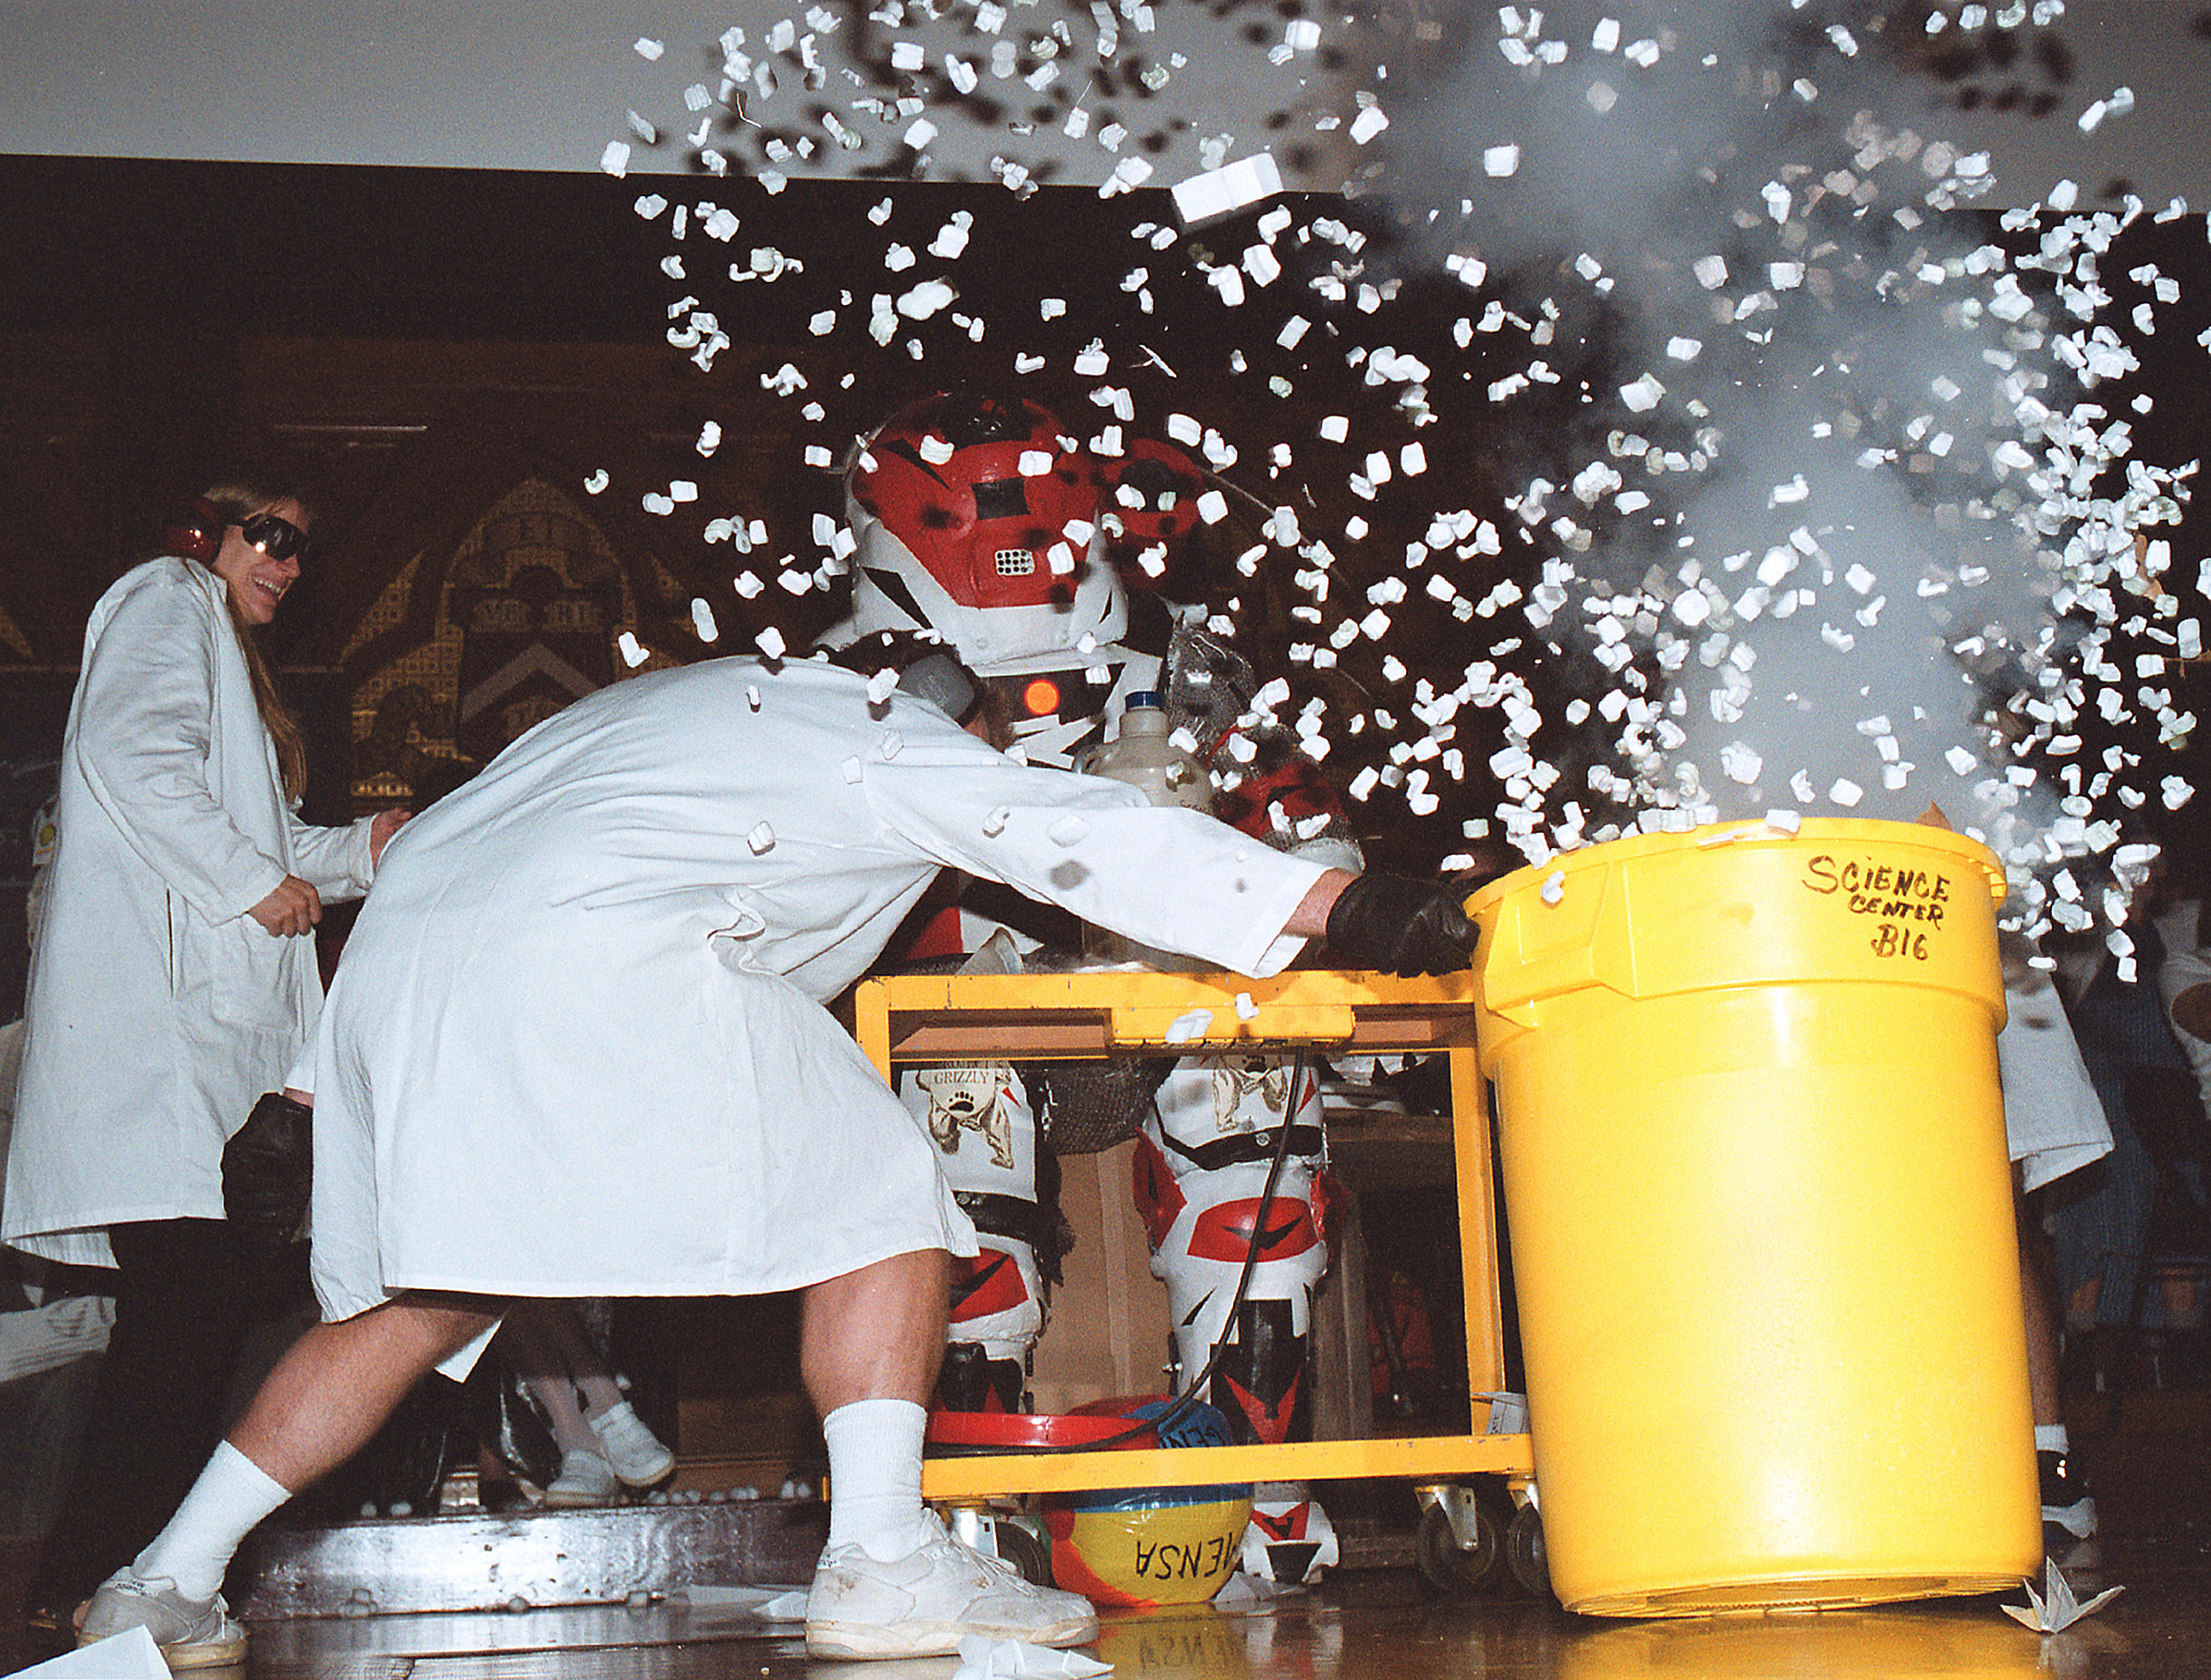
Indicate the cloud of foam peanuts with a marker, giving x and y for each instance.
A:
(1832, 494)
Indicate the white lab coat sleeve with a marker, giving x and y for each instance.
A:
(2183, 972)
(336, 862)
(2053, 1121)
(36, 1339)
(143, 744)
(1162, 875)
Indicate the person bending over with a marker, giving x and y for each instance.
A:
(620, 936)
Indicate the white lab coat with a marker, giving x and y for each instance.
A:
(158, 1010)
(2053, 1121)
(578, 1046)
(39, 1333)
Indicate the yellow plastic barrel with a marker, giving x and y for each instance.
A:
(1962, 1644)
(1761, 1216)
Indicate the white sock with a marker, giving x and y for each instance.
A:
(232, 1495)
(2051, 1438)
(875, 1466)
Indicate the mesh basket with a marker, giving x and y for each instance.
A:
(1089, 1106)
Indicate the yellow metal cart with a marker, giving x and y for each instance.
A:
(1041, 1017)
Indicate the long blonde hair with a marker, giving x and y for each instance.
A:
(236, 498)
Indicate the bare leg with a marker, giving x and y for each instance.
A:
(326, 1396)
(2180, 1301)
(2081, 1306)
(877, 1333)
(552, 1351)
(340, 1381)
(892, 1582)
(533, 1338)
(869, 1345)
(2038, 1294)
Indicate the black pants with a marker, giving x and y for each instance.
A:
(183, 1298)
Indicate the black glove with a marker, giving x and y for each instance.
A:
(269, 1173)
(1401, 927)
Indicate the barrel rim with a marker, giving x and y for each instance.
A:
(1752, 831)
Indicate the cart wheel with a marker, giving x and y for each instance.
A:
(1447, 1568)
(1524, 1552)
(1022, 1551)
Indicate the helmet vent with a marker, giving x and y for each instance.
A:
(1016, 562)
(1001, 499)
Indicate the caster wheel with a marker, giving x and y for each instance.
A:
(1524, 1552)
(1448, 1568)
(1024, 1553)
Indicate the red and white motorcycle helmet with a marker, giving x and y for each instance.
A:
(976, 517)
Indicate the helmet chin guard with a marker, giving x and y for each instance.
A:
(977, 518)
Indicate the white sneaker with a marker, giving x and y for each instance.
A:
(585, 1478)
(192, 1633)
(921, 1605)
(639, 1456)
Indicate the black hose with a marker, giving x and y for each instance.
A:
(1190, 1398)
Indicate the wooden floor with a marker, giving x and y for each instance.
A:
(1363, 1626)
(2152, 1468)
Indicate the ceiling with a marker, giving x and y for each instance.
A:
(548, 84)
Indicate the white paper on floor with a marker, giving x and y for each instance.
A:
(981, 1657)
(762, 1603)
(2055, 1609)
(127, 1656)
(1245, 1592)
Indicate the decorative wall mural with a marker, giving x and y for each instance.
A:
(521, 618)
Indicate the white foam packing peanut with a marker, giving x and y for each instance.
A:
(926, 300)
(1189, 1026)
(1223, 191)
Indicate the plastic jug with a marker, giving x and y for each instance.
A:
(1147, 759)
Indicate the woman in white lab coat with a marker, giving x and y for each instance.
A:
(171, 982)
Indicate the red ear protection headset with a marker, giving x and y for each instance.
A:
(195, 532)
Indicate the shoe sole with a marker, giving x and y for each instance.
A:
(183, 1658)
(862, 1640)
(581, 1502)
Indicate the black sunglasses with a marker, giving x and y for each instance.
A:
(274, 536)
